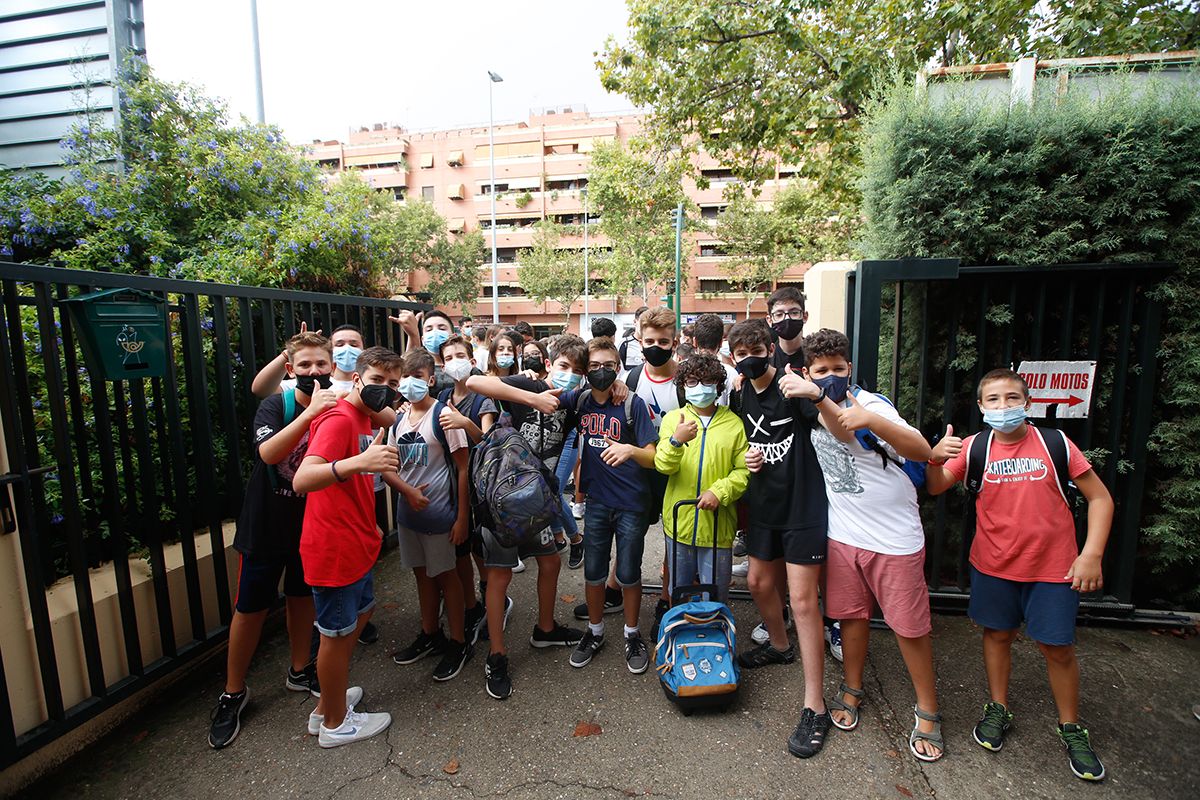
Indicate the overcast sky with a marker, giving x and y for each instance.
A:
(332, 65)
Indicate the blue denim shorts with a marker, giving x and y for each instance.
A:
(1047, 609)
(338, 607)
(601, 524)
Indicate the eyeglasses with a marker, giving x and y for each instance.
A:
(692, 383)
(532, 356)
(792, 313)
(598, 365)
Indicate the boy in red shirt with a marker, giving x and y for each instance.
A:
(1025, 566)
(339, 542)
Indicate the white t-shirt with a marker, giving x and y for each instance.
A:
(481, 359)
(871, 506)
(659, 394)
(730, 376)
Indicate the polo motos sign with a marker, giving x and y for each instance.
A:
(1065, 384)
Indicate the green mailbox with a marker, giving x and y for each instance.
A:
(123, 333)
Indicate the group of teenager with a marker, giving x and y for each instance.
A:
(756, 423)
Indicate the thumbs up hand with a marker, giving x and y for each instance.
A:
(947, 447)
(615, 454)
(855, 418)
(378, 457)
(793, 385)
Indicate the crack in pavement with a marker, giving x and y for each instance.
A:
(896, 730)
(532, 784)
(387, 762)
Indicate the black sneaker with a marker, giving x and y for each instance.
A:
(454, 657)
(560, 636)
(1083, 759)
(637, 658)
(476, 622)
(739, 544)
(369, 634)
(614, 603)
(809, 737)
(424, 645)
(304, 681)
(484, 635)
(765, 655)
(227, 718)
(495, 672)
(660, 608)
(989, 731)
(560, 544)
(575, 558)
(588, 646)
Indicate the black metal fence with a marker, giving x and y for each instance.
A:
(924, 331)
(101, 471)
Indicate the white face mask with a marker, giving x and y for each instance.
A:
(458, 368)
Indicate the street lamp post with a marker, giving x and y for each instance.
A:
(493, 79)
(258, 84)
(586, 313)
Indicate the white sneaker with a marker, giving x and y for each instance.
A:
(520, 567)
(741, 570)
(833, 635)
(577, 510)
(353, 696)
(357, 725)
(760, 636)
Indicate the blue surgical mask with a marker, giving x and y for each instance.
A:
(565, 380)
(346, 357)
(432, 340)
(702, 395)
(1005, 420)
(835, 386)
(504, 361)
(413, 388)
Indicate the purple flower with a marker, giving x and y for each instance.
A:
(193, 190)
(257, 164)
(90, 185)
(107, 212)
(5, 250)
(88, 203)
(155, 259)
(57, 518)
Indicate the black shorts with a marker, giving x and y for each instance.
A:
(658, 492)
(793, 546)
(258, 581)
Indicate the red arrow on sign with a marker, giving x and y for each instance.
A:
(1070, 400)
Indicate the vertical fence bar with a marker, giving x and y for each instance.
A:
(1095, 334)
(896, 342)
(246, 351)
(270, 341)
(75, 400)
(223, 347)
(289, 319)
(923, 360)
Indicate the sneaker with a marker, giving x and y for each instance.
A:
(520, 567)
(369, 634)
(353, 697)
(739, 544)
(454, 657)
(989, 731)
(560, 636)
(660, 608)
(760, 636)
(614, 603)
(575, 558)
(227, 718)
(425, 644)
(1083, 759)
(741, 569)
(355, 727)
(304, 681)
(476, 622)
(809, 737)
(577, 510)
(560, 544)
(765, 655)
(588, 646)
(833, 635)
(495, 672)
(508, 607)
(637, 657)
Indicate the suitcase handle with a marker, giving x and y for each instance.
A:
(679, 593)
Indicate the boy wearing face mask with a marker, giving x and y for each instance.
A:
(786, 315)
(347, 344)
(339, 541)
(1025, 563)
(268, 535)
(434, 517)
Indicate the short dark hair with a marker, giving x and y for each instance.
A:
(704, 368)
(684, 352)
(708, 331)
(600, 343)
(785, 293)
(523, 328)
(825, 343)
(603, 326)
(1002, 374)
(572, 348)
(538, 345)
(455, 341)
(639, 312)
(463, 320)
(418, 359)
(341, 328)
(749, 333)
(383, 358)
(479, 332)
(436, 312)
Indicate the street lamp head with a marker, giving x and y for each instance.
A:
(495, 78)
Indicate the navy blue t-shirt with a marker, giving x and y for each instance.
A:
(625, 487)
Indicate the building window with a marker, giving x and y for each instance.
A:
(711, 250)
(486, 188)
(711, 212)
(427, 193)
(720, 175)
(330, 163)
(398, 193)
(565, 184)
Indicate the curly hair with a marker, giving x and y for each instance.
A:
(703, 368)
(825, 343)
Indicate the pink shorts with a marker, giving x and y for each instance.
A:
(856, 579)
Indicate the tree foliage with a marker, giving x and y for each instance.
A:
(549, 273)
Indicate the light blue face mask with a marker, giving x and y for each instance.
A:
(413, 388)
(1005, 420)
(432, 340)
(565, 380)
(346, 357)
(504, 361)
(702, 395)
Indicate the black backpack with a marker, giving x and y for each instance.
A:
(1055, 443)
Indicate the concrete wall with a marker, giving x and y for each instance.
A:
(825, 295)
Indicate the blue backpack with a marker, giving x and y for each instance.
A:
(915, 470)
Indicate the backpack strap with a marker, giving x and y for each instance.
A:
(476, 406)
(635, 374)
(1055, 442)
(977, 458)
(445, 394)
(289, 405)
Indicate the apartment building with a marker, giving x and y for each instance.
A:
(541, 172)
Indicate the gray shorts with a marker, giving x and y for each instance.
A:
(432, 551)
(497, 555)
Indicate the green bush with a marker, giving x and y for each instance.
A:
(1112, 176)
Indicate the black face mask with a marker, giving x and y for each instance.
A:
(534, 362)
(753, 367)
(307, 384)
(657, 356)
(788, 328)
(602, 378)
(377, 396)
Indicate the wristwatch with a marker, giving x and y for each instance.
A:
(674, 442)
(821, 396)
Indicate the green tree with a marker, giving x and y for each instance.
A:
(548, 273)
(751, 237)
(415, 237)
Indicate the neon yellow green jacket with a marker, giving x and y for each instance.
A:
(714, 461)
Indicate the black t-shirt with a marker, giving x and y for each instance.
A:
(788, 493)
(781, 359)
(272, 514)
(544, 432)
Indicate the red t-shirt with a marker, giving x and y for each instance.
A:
(339, 543)
(1023, 530)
